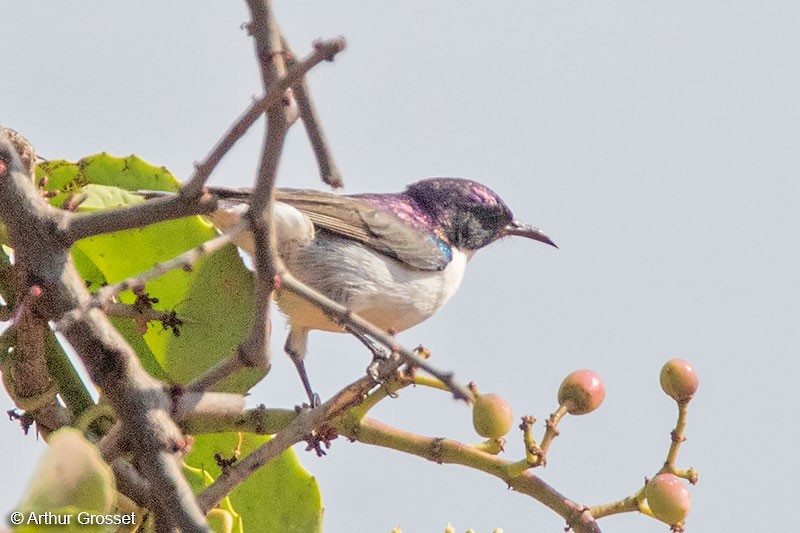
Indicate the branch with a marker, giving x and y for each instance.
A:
(253, 352)
(259, 420)
(323, 51)
(345, 412)
(80, 226)
(440, 450)
(328, 170)
(42, 255)
(301, 428)
(26, 374)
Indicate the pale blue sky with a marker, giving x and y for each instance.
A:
(654, 141)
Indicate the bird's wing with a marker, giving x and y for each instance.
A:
(360, 221)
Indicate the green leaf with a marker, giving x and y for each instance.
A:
(282, 497)
(216, 310)
(214, 300)
(130, 173)
(105, 196)
(71, 477)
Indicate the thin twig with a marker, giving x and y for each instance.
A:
(183, 261)
(343, 316)
(149, 314)
(306, 422)
(253, 352)
(328, 170)
(207, 404)
(82, 225)
(323, 51)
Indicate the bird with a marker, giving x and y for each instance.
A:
(393, 258)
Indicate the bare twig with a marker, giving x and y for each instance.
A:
(306, 422)
(324, 51)
(328, 170)
(130, 483)
(216, 373)
(81, 225)
(26, 376)
(147, 314)
(253, 352)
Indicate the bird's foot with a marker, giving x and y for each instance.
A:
(373, 372)
(315, 400)
(372, 369)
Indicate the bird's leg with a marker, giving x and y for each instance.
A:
(379, 353)
(295, 348)
(313, 397)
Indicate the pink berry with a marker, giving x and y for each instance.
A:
(679, 380)
(668, 498)
(492, 416)
(581, 392)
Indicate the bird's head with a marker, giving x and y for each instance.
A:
(469, 214)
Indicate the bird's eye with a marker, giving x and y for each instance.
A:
(489, 218)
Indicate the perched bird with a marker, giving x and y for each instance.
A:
(393, 258)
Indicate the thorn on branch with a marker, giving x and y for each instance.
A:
(74, 201)
(42, 183)
(329, 48)
(25, 306)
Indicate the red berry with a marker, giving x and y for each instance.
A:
(668, 498)
(581, 392)
(492, 416)
(679, 380)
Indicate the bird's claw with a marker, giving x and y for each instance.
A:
(372, 369)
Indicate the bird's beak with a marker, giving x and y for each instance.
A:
(525, 230)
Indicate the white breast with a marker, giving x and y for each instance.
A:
(383, 290)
